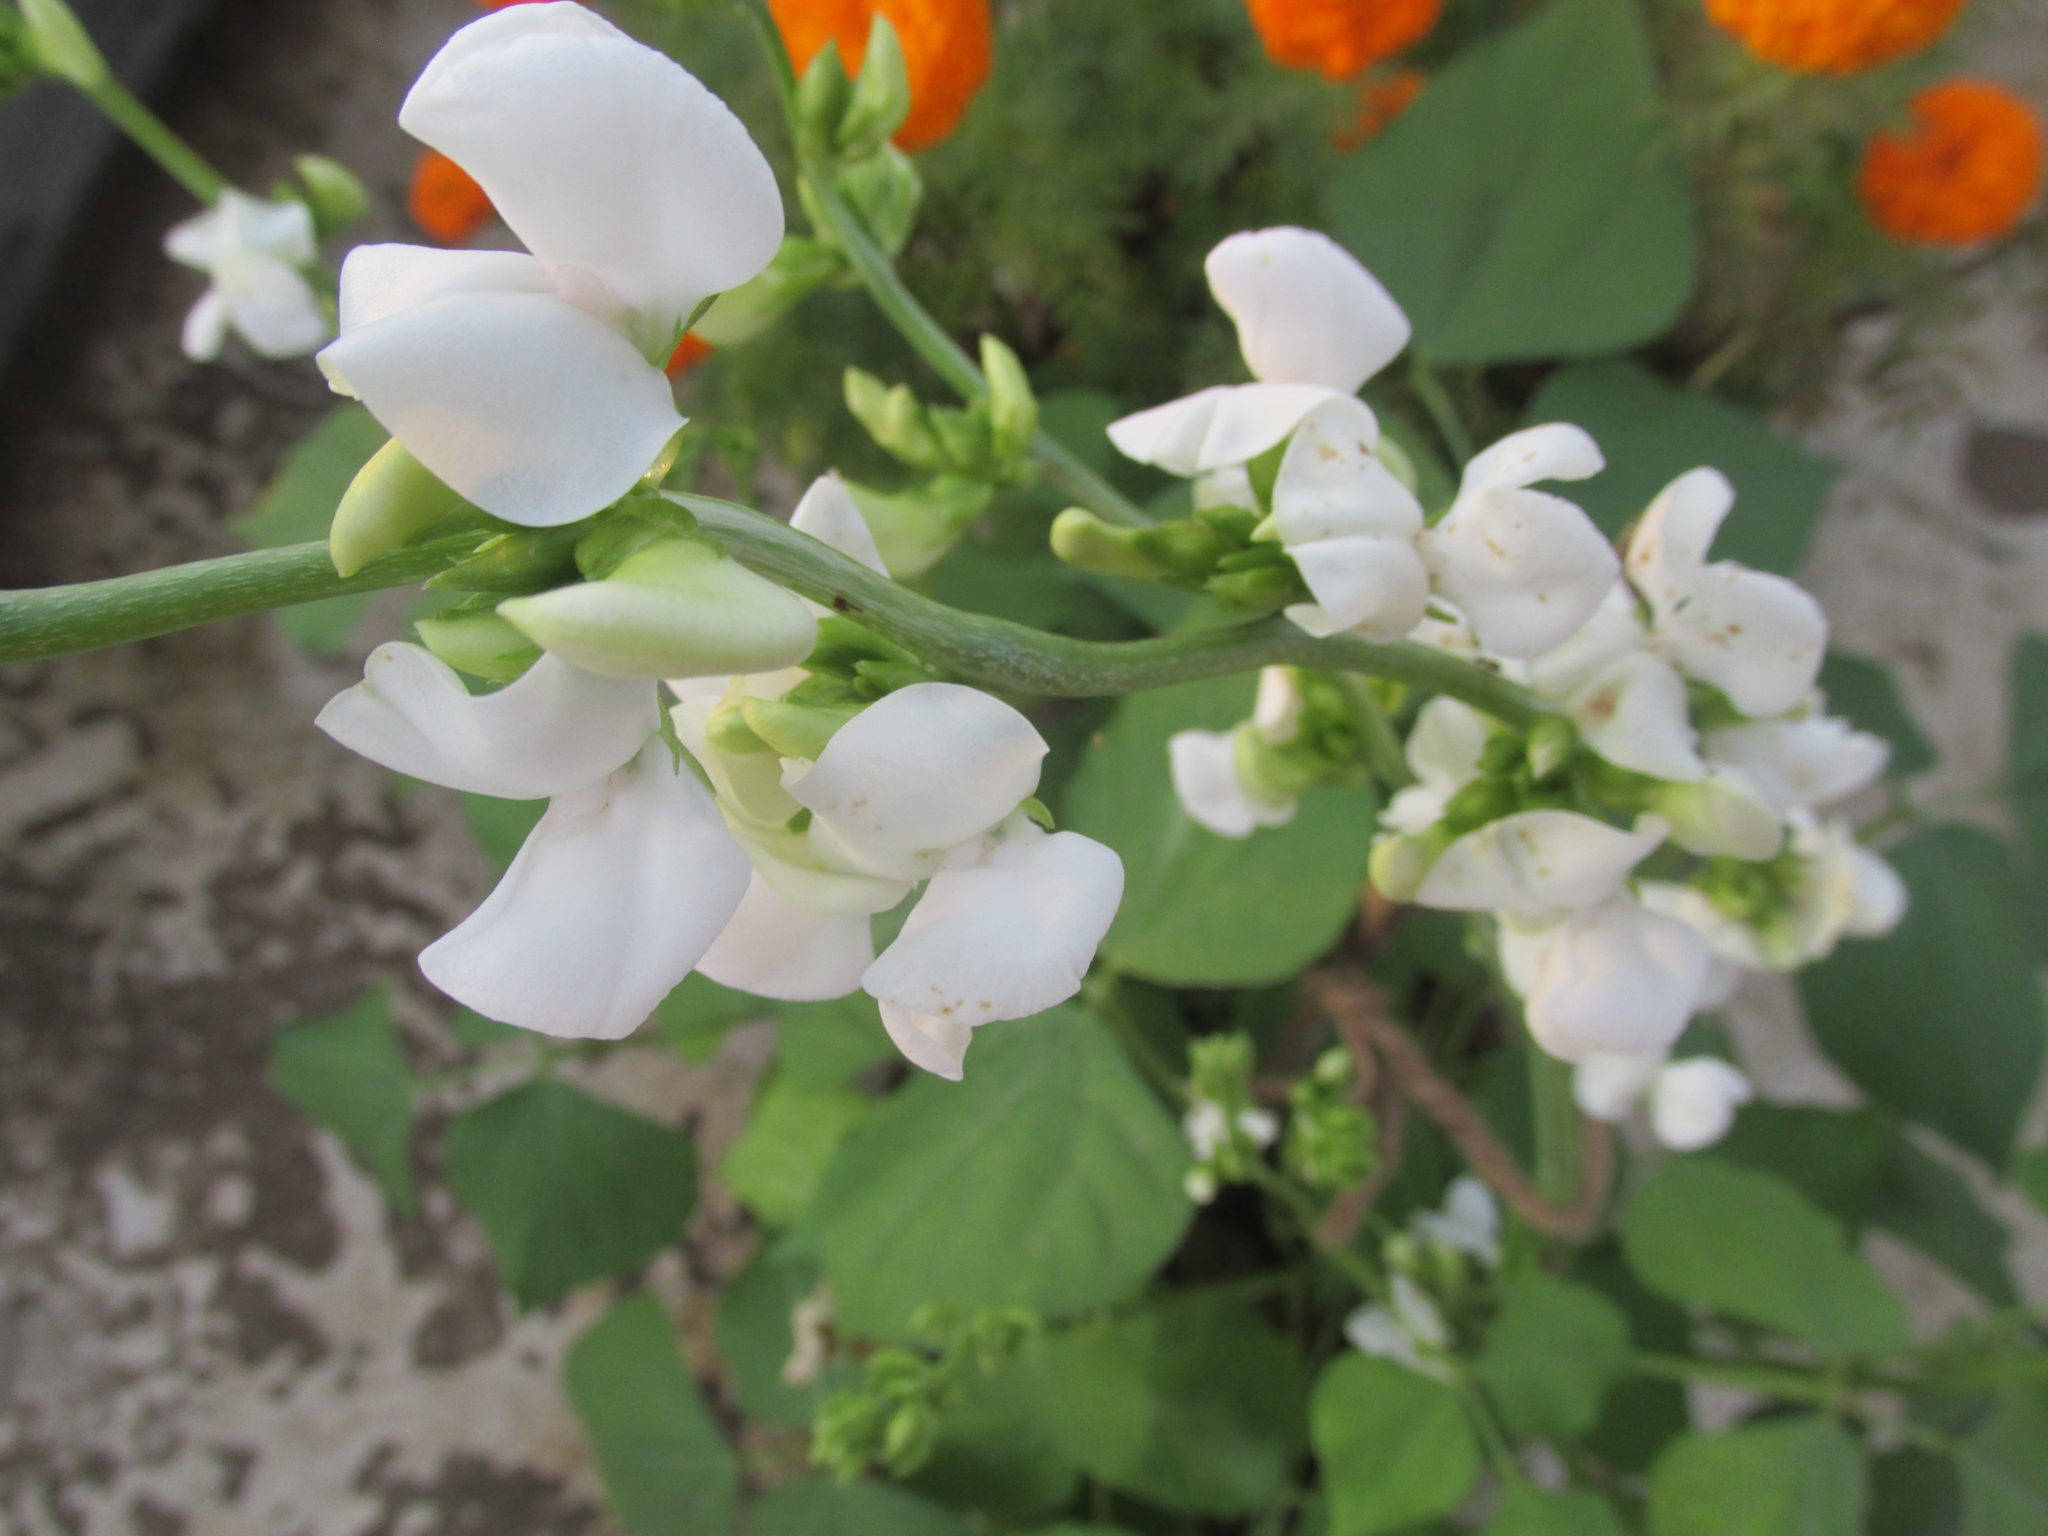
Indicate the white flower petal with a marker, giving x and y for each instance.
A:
(1306, 310)
(1759, 638)
(1007, 939)
(1446, 744)
(774, 948)
(1375, 586)
(926, 767)
(937, 1045)
(1537, 863)
(1556, 451)
(1802, 764)
(1276, 710)
(1669, 545)
(1227, 425)
(1879, 896)
(1722, 816)
(1527, 568)
(552, 731)
(1613, 632)
(828, 514)
(1617, 979)
(1204, 766)
(1693, 1102)
(379, 281)
(206, 328)
(1607, 1084)
(273, 307)
(1730, 941)
(615, 896)
(1637, 716)
(1331, 484)
(603, 156)
(526, 406)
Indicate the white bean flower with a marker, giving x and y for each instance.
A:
(625, 882)
(1617, 978)
(1443, 752)
(532, 383)
(1207, 774)
(1409, 1330)
(1691, 1103)
(1805, 763)
(1313, 325)
(255, 253)
(1537, 866)
(1468, 1223)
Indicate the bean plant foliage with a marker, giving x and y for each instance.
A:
(1250, 894)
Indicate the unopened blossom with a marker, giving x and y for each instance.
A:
(531, 381)
(1443, 752)
(1468, 1222)
(1691, 1103)
(255, 253)
(1207, 767)
(1410, 1330)
(1616, 978)
(1313, 325)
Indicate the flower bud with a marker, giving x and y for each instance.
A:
(894, 418)
(914, 529)
(1012, 407)
(908, 1442)
(800, 268)
(481, 644)
(1550, 744)
(392, 501)
(822, 98)
(678, 608)
(1720, 816)
(884, 191)
(881, 96)
(1400, 863)
(333, 192)
(62, 45)
(794, 730)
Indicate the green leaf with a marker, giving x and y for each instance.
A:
(1865, 693)
(2030, 1172)
(1394, 1446)
(501, 825)
(2028, 768)
(1553, 1351)
(999, 1454)
(755, 1340)
(1530, 204)
(1652, 432)
(1526, 1512)
(1834, 1157)
(698, 1014)
(1943, 1020)
(1707, 1234)
(1050, 1179)
(1913, 1493)
(818, 1508)
(825, 1043)
(666, 1468)
(1640, 1414)
(348, 1073)
(2001, 1468)
(792, 1131)
(568, 1187)
(1203, 910)
(1792, 1477)
(1193, 1403)
(1932, 1206)
(299, 504)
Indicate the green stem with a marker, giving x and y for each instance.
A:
(1559, 1135)
(1384, 756)
(1783, 1382)
(153, 136)
(1450, 426)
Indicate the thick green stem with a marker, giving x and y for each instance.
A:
(1559, 1135)
(153, 136)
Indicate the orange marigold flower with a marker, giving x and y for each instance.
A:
(1340, 37)
(1380, 100)
(1967, 169)
(1834, 37)
(445, 200)
(946, 50)
(689, 352)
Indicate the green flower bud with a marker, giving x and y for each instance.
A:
(678, 608)
(800, 268)
(1400, 863)
(884, 191)
(393, 501)
(1012, 407)
(62, 45)
(822, 98)
(333, 191)
(914, 529)
(481, 644)
(966, 440)
(881, 96)
(894, 418)
(794, 730)
(1086, 542)
(1551, 743)
(729, 732)
(908, 1442)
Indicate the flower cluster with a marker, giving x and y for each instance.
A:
(947, 46)
(1836, 37)
(809, 776)
(1226, 1130)
(1429, 1270)
(1667, 823)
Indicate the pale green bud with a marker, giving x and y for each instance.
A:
(1012, 407)
(894, 418)
(793, 730)
(62, 45)
(914, 529)
(822, 97)
(1550, 744)
(392, 501)
(1720, 817)
(678, 608)
(1084, 541)
(881, 96)
(800, 268)
(1400, 863)
(908, 1442)
(481, 644)
(885, 190)
(333, 191)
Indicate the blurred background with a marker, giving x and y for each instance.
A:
(210, 1320)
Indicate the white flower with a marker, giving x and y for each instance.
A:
(1759, 638)
(625, 882)
(1312, 323)
(1207, 1128)
(1617, 979)
(1537, 865)
(1469, 1222)
(1443, 752)
(1204, 764)
(533, 384)
(1803, 764)
(1410, 1331)
(1692, 1102)
(1627, 700)
(254, 252)
(1525, 567)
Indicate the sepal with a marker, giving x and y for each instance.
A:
(392, 502)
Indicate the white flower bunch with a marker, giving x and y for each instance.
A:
(1410, 1327)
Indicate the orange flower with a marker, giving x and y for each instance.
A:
(1380, 100)
(445, 200)
(1967, 169)
(946, 48)
(1834, 37)
(1340, 37)
(689, 352)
